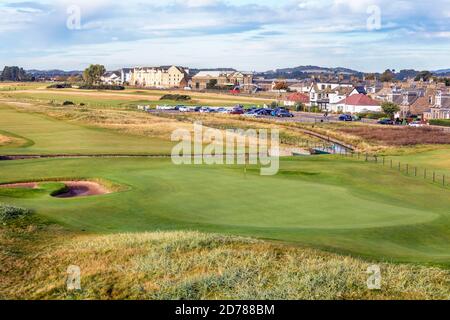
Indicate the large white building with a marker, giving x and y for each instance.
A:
(357, 103)
(160, 77)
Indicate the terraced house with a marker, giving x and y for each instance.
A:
(160, 77)
(441, 107)
(220, 79)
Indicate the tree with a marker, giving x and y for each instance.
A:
(299, 106)
(274, 105)
(281, 85)
(14, 74)
(387, 76)
(211, 84)
(390, 109)
(423, 75)
(93, 74)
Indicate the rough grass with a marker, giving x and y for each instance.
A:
(11, 213)
(192, 265)
(400, 136)
(4, 140)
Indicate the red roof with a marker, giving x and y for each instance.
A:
(298, 97)
(359, 100)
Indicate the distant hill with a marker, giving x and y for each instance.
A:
(53, 73)
(195, 71)
(303, 72)
(443, 72)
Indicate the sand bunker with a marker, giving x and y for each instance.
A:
(73, 188)
(27, 185)
(82, 189)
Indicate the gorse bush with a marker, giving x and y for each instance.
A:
(176, 97)
(101, 87)
(372, 115)
(440, 122)
(9, 213)
(60, 86)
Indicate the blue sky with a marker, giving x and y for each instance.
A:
(246, 34)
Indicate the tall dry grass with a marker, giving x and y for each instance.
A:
(192, 265)
(400, 136)
(4, 140)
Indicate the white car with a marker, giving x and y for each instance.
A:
(416, 124)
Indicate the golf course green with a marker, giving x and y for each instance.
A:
(340, 205)
(328, 202)
(43, 135)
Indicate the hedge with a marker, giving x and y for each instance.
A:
(176, 97)
(8, 213)
(101, 87)
(60, 86)
(440, 122)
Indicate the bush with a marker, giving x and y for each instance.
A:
(372, 115)
(68, 103)
(9, 213)
(60, 86)
(176, 97)
(440, 122)
(101, 87)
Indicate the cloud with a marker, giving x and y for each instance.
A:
(212, 32)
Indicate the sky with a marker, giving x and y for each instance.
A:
(249, 35)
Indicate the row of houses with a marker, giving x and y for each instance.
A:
(333, 96)
(429, 101)
(172, 77)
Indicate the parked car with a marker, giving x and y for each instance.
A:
(183, 109)
(345, 117)
(284, 114)
(275, 111)
(253, 113)
(416, 124)
(264, 112)
(386, 122)
(237, 111)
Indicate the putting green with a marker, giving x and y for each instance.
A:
(342, 205)
(44, 135)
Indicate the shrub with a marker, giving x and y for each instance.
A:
(60, 86)
(176, 97)
(101, 87)
(372, 115)
(9, 213)
(440, 122)
(68, 103)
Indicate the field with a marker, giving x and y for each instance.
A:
(335, 214)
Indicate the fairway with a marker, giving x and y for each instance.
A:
(43, 135)
(341, 205)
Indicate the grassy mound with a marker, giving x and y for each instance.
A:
(192, 265)
(11, 213)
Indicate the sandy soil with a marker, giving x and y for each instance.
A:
(76, 188)
(28, 185)
(4, 140)
(83, 189)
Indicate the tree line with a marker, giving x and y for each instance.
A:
(15, 74)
